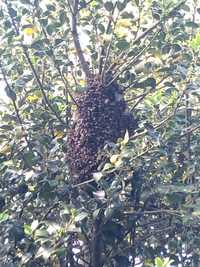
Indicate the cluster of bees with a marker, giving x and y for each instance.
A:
(101, 117)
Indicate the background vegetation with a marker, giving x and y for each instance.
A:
(148, 213)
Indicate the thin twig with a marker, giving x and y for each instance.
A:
(15, 107)
(145, 33)
(135, 98)
(142, 96)
(139, 101)
(83, 183)
(108, 28)
(25, 50)
(86, 4)
(191, 130)
(188, 117)
(171, 212)
(151, 149)
(70, 7)
(55, 205)
(41, 86)
(54, 59)
(139, 38)
(75, 35)
(109, 47)
(133, 60)
(163, 121)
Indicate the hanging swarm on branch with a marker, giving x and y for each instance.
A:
(101, 117)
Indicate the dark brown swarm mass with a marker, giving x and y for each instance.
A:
(101, 117)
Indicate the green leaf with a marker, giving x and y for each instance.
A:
(121, 5)
(123, 44)
(51, 7)
(109, 211)
(192, 24)
(58, 41)
(127, 15)
(4, 216)
(60, 251)
(34, 225)
(81, 216)
(50, 29)
(7, 25)
(186, 8)
(27, 229)
(137, 2)
(12, 12)
(96, 213)
(44, 22)
(126, 138)
(167, 262)
(63, 18)
(195, 42)
(38, 45)
(109, 6)
(107, 166)
(41, 233)
(29, 159)
(11, 94)
(101, 27)
(158, 262)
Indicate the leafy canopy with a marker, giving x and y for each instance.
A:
(148, 211)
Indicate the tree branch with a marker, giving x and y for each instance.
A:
(15, 106)
(33, 68)
(54, 60)
(86, 4)
(132, 60)
(144, 34)
(84, 64)
(163, 121)
(138, 39)
(108, 28)
(171, 212)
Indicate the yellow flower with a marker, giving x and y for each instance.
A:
(82, 82)
(33, 98)
(121, 32)
(124, 23)
(114, 158)
(123, 28)
(106, 37)
(31, 188)
(30, 30)
(85, 13)
(5, 148)
(59, 134)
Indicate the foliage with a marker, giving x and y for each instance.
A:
(162, 263)
(145, 206)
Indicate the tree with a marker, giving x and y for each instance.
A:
(141, 204)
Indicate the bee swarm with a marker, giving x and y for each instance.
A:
(100, 117)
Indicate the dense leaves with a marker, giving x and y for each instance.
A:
(141, 206)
